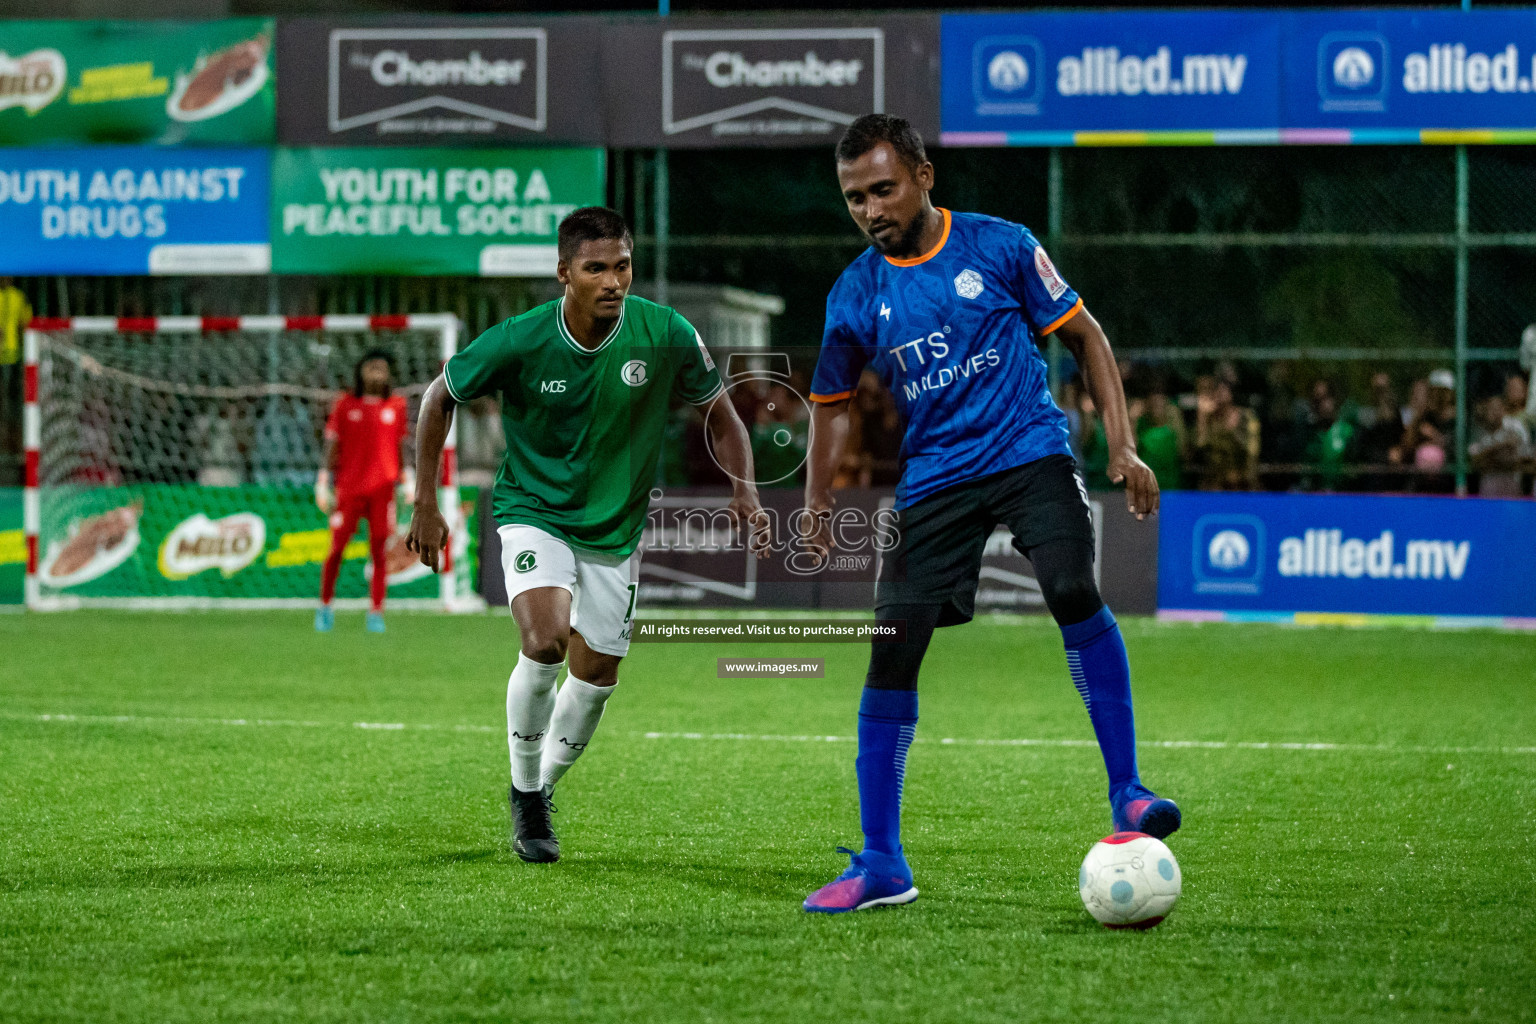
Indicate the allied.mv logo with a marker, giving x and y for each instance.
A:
(1228, 550)
(1228, 554)
(968, 284)
(1353, 68)
(525, 561)
(1352, 71)
(633, 372)
(1008, 74)
(1007, 71)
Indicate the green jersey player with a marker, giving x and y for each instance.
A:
(585, 383)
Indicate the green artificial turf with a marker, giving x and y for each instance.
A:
(173, 864)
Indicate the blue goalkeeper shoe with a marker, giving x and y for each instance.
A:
(1137, 809)
(873, 879)
(324, 619)
(375, 622)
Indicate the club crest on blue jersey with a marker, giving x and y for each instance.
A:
(968, 284)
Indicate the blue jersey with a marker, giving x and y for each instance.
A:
(952, 334)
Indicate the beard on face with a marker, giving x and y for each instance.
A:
(904, 242)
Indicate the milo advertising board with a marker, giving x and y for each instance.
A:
(175, 541)
(163, 83)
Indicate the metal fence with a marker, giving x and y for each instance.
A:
(1336, 262)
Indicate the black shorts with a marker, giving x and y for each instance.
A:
(937, 557)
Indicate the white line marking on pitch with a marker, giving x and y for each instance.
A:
(947, 741)
(1374, 748)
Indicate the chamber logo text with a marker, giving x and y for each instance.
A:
(444, 81)
(757, 82)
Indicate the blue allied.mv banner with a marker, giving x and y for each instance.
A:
(1267, 77)
(1057, 74)
(1410, 71)
(134, 211)
(1383, 555)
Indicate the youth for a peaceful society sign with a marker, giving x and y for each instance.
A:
(133, 211)
(160, 82)
(491, 212)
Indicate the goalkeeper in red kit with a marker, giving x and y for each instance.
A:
(363, 438)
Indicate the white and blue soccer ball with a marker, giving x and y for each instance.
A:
(1129, 880)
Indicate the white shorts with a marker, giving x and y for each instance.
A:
(602, 588)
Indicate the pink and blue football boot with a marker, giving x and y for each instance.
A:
(1137, 809)
(873, 879)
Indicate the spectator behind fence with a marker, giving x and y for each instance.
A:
(1380, 423)
(1427, 441)
(1418, 401)
(872, 456)
(1161, 436)
(1518, 400)
(1226, 439)
(1090, 445)
(1285, 415)
(1070, 401)
(1332, 443)
(1499, 449)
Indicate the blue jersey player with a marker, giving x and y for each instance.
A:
(948, 308)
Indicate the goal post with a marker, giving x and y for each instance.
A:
(170, 461)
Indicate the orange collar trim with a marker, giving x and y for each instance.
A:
(930, 254)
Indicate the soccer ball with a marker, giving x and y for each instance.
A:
(1129, 880)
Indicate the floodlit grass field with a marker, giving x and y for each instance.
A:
(242, 820)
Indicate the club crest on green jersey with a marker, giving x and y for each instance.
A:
(633, 372)
(525, 561)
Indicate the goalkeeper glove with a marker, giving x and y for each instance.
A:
(406, 491)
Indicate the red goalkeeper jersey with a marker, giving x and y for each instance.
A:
(367, 432)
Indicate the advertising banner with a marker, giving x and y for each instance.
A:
(187, 541)
(1411, 76)
(1044, 79)
(160, 82)
(446, 81)
(13, 547)
(693, 557)
(134, 211)
(491, 212)
(697, 82)
(1257, 554)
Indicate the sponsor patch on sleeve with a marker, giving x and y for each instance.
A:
(1054, 285)
(709, 364)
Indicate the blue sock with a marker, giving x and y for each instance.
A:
(887, 723)
(1102, 675)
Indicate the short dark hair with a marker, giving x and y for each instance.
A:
(368, 357)
(872, 129)
(591, 224)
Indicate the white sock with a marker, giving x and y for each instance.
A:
(578, 709)
(530, 701)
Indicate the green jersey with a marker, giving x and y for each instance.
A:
(584, 427)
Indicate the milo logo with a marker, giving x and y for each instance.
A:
(31, 81)
(524, 562)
